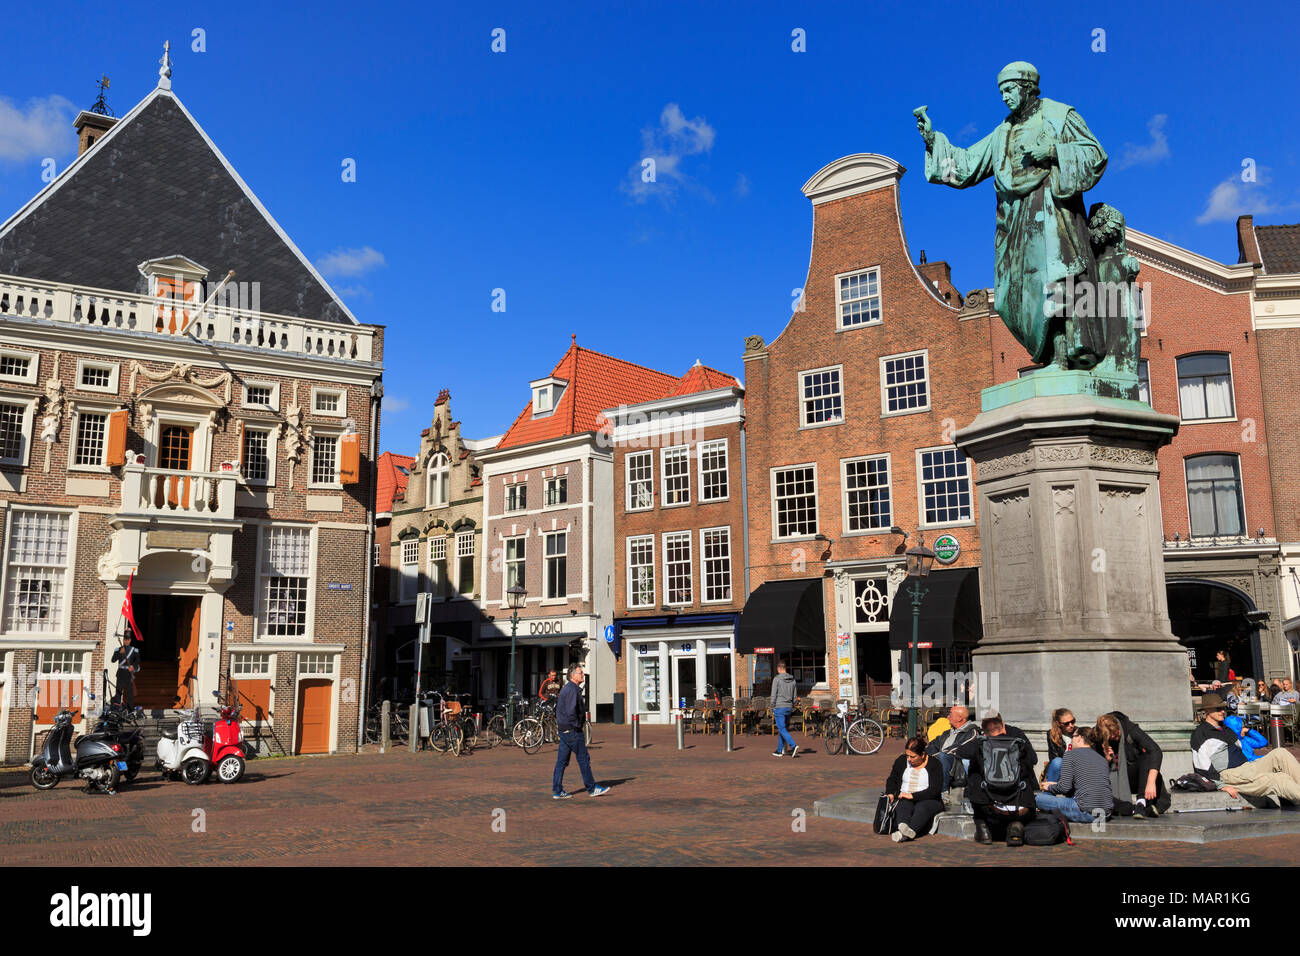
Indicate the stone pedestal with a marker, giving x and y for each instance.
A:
(1072, 575)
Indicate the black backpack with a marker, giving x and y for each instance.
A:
(1046, 829)
(1000, 758)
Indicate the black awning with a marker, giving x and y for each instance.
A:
(785, 616)
(950, 610)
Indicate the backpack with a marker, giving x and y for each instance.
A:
(1046, 829)
(1001, 758)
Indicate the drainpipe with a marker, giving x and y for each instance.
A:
(376, 396)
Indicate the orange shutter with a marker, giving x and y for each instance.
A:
(349, 459)
(116, 452)
(53, 696)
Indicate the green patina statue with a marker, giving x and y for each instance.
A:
(1064, 277)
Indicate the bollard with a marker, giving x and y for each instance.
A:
(729, 726)
(1275, 730)
(636, 731)
(414, 733)
(478, 722)
(681, 733)
(385, 726)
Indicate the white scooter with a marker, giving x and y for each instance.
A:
(185, 754)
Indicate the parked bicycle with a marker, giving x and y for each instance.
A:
(533, 732)
(862, 734)
(497, 730)
(446, 734)
(398, 722)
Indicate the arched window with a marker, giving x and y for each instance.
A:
(439, 481)
(1214, 501)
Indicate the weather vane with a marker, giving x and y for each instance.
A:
(101, 106)
(165, 70)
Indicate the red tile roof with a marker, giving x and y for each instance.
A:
(595, 382)
(392, 482)
(701, 378)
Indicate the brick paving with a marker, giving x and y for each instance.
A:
(698, 806)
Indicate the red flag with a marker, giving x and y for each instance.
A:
(126, 609)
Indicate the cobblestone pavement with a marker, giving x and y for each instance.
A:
(698, 806)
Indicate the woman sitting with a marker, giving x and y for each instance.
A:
(1134, 766)
(1249, 740)
(916, 782)
(1261, 692)
(1083, 792)
(1060, 738)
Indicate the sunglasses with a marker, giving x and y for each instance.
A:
(1067, 723)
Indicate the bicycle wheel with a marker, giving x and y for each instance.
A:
(865, 736)
(530, 735)
(520, 731)
(440, 737)
(495, 732)
(834, 737)
(455, 738)
(469, 732)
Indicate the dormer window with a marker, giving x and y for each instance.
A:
(546, 395)
(177, 283)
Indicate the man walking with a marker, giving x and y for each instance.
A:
(783, 694)
(569, 718)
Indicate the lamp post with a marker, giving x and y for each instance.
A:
(919, 561)
(515, 597)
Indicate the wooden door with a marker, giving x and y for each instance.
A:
(314, 697)
(175, 448)
(187, 651)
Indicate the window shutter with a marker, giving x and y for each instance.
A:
(349, 459)
(115, 451)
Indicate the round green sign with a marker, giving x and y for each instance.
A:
(946, 549)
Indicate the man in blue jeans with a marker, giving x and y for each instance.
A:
(783, 694)
(569, 718)
(1083, 793)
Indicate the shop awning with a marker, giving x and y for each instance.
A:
(784, 616)
(950, 610)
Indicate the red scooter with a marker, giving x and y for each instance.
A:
(225, 746)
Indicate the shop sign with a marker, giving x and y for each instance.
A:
(765, 650)
(946, 549)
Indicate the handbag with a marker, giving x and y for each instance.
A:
(886, 810)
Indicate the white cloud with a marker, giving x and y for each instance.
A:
(350, 262)
(675, 138)
(742, 185)
(43, 129)
(1233, 198)
(394, 404)
(1152, 152)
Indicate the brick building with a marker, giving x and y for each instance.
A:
(392, 472)
(548, 520)
(850, 414)
(679, 545)
(437, 535)
(219, 453)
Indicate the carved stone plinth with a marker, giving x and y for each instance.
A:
(1073, 576)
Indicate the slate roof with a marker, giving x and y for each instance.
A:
(1279, 247)
(595, 382)
(155, 185)
(392, 480)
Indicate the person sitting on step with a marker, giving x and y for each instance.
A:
(916, 781)
(1135, 766)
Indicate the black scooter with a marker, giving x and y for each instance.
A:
(99, 761)
(117, 725)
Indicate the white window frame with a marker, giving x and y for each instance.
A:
(113, 369)
(676, 451)
(506, 508)
(1241, 494)
(704, 568)
(546, 567)
(803, 401)
(252, 665)
(432, 470)
(839, 301)
(335, 436)
(1145, 364)
(340, 412)
(438, 570)
(707, 447)
(690, 567)
(844, 494)
(272, 448)
(28, 426)
(507, 561)
(1232, 389)
(816, 501)
(628, 485)
(461, 554)
(6, 570)
(315, 664)
(32, 375)
(273, 405)
(631, 585)
(884, 388)
(88, 408)
(260, 610)
(547, 483)
(920, 490)
(409, 571)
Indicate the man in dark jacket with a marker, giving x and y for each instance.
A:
(1135, 766)
(569, 719)
(127, 659)
(997, 807)
(961, 730)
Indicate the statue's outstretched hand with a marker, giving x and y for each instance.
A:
(923, 125)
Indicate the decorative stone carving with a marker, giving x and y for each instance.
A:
(977, 300)
(1123, 456)
(754, 343)
(1063, 498)
(1060, 453)
(144, 416)
(184, 372)
(870, 604)
(1007, 463)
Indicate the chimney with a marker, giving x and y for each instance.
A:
(1247, 246)
(90, 127)
(939, 276)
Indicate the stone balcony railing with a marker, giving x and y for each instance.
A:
(219, 324)
(189, 494)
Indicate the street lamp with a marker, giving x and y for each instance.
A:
(515, 597)
(919, 561)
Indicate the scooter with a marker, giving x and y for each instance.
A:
(186, 753)
(225, 746)
(117, 725)
(99, 761)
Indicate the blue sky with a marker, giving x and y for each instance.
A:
(521, 170)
